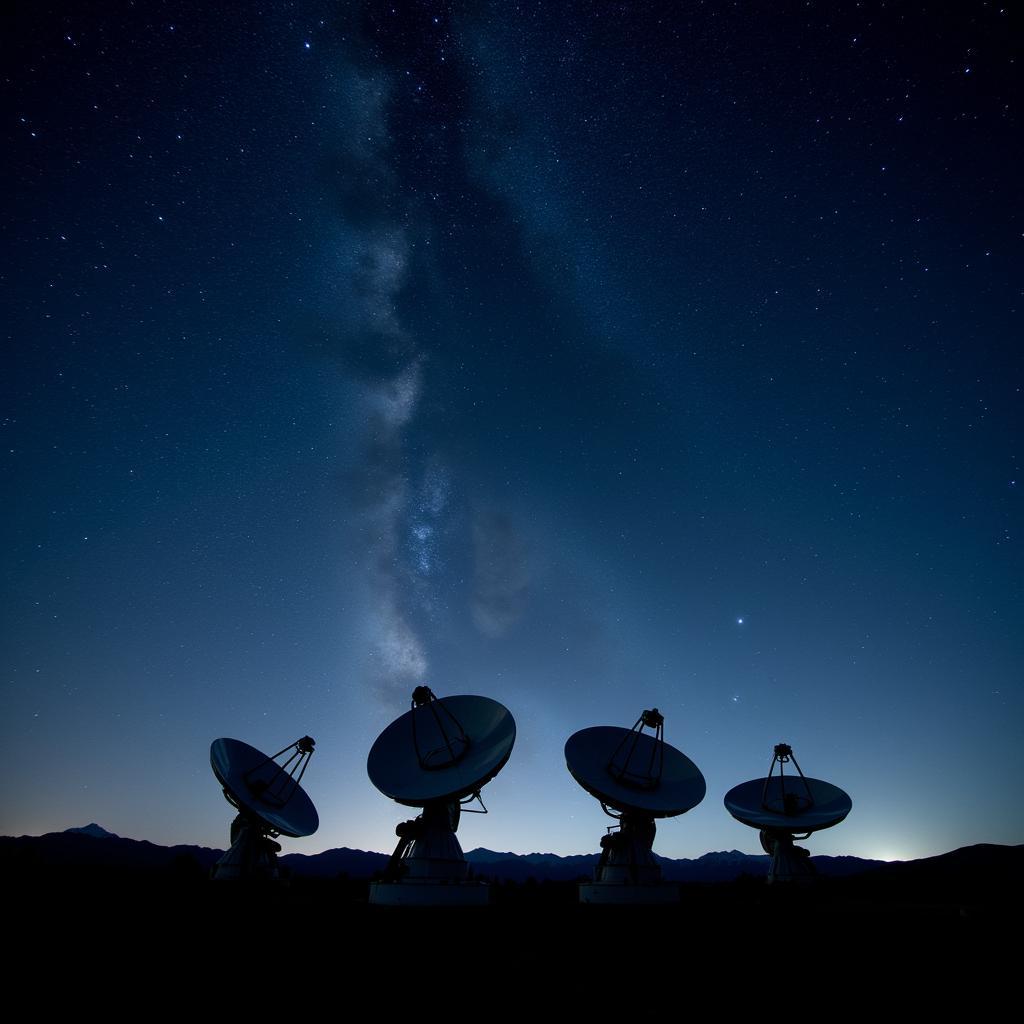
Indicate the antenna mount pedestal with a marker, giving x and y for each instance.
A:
(428, 849)
(789, 863)
(626, 854)
(428, 867)
(628, 871)
(252, 856)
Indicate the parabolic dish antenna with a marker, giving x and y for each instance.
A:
(679, 788)
(442, 750)
(785, 808)
(270, 802)
(437, 756)
(829, 805)
(637, 777)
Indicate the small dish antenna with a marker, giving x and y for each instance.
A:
(437, 756)
(270, 803)
(637, 777)
(785, 808)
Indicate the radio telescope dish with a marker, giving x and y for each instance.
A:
(437, 756)
(270, 802)
(830, 805)
(681, 785)
(637, 777)
(443, 754)
(785, 808)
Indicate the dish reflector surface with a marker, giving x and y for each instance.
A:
(831, 804)
(588, 752)
(394, 764)
(238, 766)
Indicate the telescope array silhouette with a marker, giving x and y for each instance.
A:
(438, 756)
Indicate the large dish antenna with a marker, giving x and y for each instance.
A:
(785, 808)
(437, 756)
(637, 777)
(270, 802)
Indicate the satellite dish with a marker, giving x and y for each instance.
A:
(437, 756)
(637, 777)
(270, 802)
(785, 808)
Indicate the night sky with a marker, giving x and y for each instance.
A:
(589, 357)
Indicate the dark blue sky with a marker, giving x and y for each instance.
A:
(591, 360)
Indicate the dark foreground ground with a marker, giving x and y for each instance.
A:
(142, 943)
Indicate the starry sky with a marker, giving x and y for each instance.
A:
(592, 357)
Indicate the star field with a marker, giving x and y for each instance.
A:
(591, 360)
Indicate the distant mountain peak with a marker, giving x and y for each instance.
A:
(94, 830)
